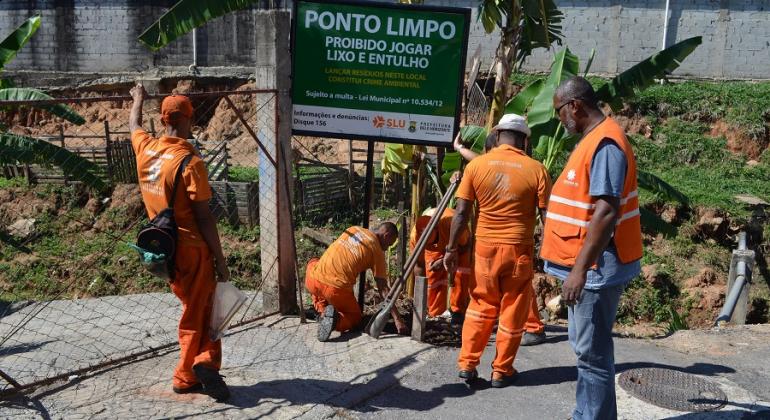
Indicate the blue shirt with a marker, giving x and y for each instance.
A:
(608, 175)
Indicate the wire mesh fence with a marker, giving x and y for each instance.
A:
(73, 295)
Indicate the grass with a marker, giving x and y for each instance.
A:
(243, 174)
(742, 104)
(12, 182)
(684, 155)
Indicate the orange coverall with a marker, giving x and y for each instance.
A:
(194, 280)
(438, 281)
(331, 278)
(508, 187)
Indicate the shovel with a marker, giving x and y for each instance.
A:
(377, 323)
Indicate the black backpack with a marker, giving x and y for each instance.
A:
(156, 241)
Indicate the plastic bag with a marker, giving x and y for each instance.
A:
(227, 300)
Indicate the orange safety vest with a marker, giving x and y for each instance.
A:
(571, 207)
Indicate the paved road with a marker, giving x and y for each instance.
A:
(546, 386)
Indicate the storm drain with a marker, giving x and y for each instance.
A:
(673, 389)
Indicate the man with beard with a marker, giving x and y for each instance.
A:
(592, 240)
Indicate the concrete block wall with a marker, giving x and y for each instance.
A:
(100, 36)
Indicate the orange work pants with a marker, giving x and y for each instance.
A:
(438, 285)
(194, 284)
(343, 300)
(501, 288)
(534, 325)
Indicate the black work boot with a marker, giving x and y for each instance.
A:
(189, 390)
(327, 323)
(468, 375)
(502, 381)
(212, 382)
(533, 339)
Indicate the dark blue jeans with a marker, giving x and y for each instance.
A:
(590, 335)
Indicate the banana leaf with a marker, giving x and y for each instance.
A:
(520, 103)
(397, 158)
(28, 94)
(21, 149)
(660, 188)
(541, 28)
(565, 65)
(185, 16)
(643, 74)
(491, 13)
(16, 40)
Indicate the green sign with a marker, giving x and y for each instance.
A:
(378, 71)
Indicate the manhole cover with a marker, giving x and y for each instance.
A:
(673, 389)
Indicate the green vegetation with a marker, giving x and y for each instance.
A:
(683, 154)
(243, 174)
(744, 105)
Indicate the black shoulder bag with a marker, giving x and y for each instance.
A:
(156, 242)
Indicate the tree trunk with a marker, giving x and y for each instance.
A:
(506, 55)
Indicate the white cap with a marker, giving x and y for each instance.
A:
(513, 122)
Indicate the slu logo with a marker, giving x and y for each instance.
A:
(378, 121)
(571, 175)
(412, 126)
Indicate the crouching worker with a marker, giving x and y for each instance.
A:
(330, 280)
(199, 260)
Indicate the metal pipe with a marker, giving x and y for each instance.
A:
(665, 27)
(735, 293)
(742, 241)
(194, 64)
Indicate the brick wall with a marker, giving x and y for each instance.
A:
(100, 36)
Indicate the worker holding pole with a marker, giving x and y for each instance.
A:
(508, 187)
(330, 279)
(431, 265)
(534, 329)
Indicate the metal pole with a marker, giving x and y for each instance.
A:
(665, 27)
(735, 293)
(367, 207)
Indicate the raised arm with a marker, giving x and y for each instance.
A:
(465, 152)
(135, 119)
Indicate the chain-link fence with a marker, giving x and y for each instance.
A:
(74, 296)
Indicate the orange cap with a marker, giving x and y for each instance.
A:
(174, 104)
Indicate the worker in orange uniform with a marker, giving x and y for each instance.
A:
(534, 329)
(199, 260)
(431, 265)
(331, 278)
(592, 240)
(508, 187)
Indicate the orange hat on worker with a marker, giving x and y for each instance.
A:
(175, 106)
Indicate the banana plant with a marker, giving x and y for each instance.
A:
(549, 139)
(14, 148)
(525, 25)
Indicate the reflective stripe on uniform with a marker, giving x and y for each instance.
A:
(512, 333)
(566, 219)
(476, 314)
(573, 203)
